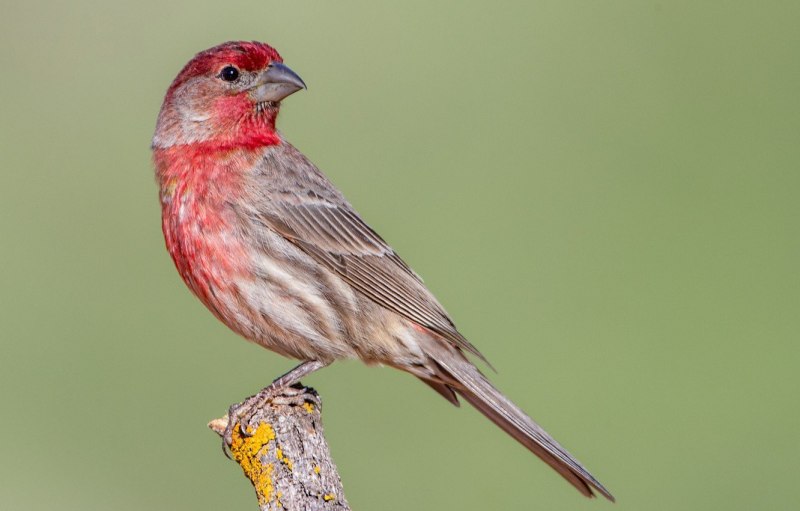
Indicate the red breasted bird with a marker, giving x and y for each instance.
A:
(276, 252)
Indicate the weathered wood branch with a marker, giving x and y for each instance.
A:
(286, 456)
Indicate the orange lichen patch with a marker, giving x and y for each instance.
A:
(286, 461)
(317, 470)
(328, 497)
(309, 407)
(246, 451)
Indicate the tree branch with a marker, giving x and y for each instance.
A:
(285, 455)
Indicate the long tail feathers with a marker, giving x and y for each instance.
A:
(467, 381)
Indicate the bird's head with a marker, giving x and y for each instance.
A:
(226, 96)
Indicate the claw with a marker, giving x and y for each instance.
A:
(227, 436)
(245, 428)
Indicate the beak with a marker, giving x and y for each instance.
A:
(275, 83)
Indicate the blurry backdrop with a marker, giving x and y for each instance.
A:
(602, 194)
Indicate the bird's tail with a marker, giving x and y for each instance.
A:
(457, 373)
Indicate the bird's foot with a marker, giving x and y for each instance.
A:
(283, 388)
(241, 415)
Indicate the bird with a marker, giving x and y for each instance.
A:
(274, 250)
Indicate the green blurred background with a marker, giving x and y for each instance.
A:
(603, 195)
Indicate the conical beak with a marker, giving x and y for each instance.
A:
(275, 83)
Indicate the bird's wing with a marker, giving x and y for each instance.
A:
(309, 211)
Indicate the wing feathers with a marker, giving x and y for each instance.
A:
(336, 237)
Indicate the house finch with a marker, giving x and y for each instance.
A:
(277, 253)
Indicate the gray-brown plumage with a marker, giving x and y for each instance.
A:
(298, 202)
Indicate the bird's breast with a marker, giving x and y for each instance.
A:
(200, 227)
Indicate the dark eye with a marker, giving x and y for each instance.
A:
(229, 74)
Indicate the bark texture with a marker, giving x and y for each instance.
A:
(285, 454)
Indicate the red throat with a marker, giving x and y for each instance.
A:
(248, 126)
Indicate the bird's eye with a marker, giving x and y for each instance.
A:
(229, 74)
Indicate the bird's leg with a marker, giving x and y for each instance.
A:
(242, 413)
(295, 375)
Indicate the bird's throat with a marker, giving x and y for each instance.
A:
(254, 132)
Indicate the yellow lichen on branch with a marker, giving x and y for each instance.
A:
(285, 460)
(284, 454)
(247, 450)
